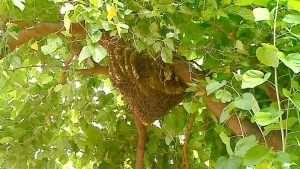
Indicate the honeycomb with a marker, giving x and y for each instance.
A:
(150, 87)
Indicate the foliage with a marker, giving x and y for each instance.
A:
(85, 123)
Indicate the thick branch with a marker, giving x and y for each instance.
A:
(273, 139)
(42, 29)
(185, 145)
(143, 137)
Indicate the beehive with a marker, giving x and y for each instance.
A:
(149, 86)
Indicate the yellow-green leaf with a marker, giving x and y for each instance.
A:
(294, 4)
(111, 13)
(35, 46)
(6, 140)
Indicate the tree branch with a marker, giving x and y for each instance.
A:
(75, 51)
(142, 140)
(42, 29)
(96, 70)
(19, 22)
(185, 145)
(273, 139)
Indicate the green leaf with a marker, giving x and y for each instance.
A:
(53, 43)
(96, 3)
(266, 118)
(213, 86)
(16, 62)
(241, 11)
(94, 32)
(48, 49)
(169, 43)
(238, 77)
(169, 138)
(67, 23)
(251, 2)
(167, 55)
(58, 87)
(245, 144)
(286, 92)
(293, 19)
(253, 78)
(292, 61)
(294, 4)
(55, 40)
(268, 55)
(191, 107)
(224, 96)
(2, 81)
(255, 155)
(283, 157)
(140, 46)
(226, 140)
(156, 47)
(221, 162)
(153, 27)
(84, 54)
(44, 78)
(247, 102)
(261, 14)
(98, 52)
(19, 4)
(295, 84)
(240, 47)
(295, 30)
(244, 2)
(296, 100)
(226, 112)
(276, 126)
(191, 55)
(5, 140)
(175, 122)
(232, 163)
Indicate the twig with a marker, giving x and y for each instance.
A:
(75, 51)
(186, 140)
(96, 70)
(19, 22)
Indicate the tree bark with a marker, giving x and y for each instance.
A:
(142, 140)
(186, 141)
(238, 126)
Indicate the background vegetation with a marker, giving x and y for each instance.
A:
(58, 111)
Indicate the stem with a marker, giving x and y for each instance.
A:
(279, 108)
(286, 123)
(276, 80)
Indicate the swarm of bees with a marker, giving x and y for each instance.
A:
(149, 86)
